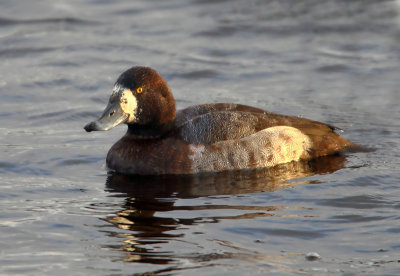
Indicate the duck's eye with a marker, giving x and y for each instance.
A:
(139, 90)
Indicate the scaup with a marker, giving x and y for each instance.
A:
(203, 138)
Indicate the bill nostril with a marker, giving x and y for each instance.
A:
(112, 113)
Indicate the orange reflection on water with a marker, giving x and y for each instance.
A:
(155, 226)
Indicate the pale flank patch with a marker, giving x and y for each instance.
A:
(266, 148)
(287, 144)
(197, 152)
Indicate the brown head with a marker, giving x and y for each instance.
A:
(142, 99)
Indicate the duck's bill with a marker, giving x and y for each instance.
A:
(112, 116)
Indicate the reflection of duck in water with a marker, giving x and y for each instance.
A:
(203, 138)
(153, 221)
(223, 183)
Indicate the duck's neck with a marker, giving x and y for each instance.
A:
(150, 131)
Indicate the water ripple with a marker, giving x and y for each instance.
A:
(355, 202)
(22, 52)
(67, 20)
(7, 167)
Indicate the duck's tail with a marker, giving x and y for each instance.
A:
(332, 143)
(357, 148)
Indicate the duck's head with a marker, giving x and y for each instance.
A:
(141, 98)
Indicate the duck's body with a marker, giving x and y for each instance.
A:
(203, 138)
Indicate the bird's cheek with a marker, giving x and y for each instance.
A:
(128, 104)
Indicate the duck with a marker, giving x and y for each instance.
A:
(205, 138)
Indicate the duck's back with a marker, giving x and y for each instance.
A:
(210, 123)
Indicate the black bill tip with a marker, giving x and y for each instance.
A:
(92, 126)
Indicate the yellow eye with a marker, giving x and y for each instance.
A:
(139, 90)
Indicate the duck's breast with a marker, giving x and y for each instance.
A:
(150, 156)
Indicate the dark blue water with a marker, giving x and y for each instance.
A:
(332, 61)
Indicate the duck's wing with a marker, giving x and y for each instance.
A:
(218, 126)
(211, 123)
(192, 112)
(273, 119)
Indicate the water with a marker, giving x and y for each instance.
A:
(333, 61)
